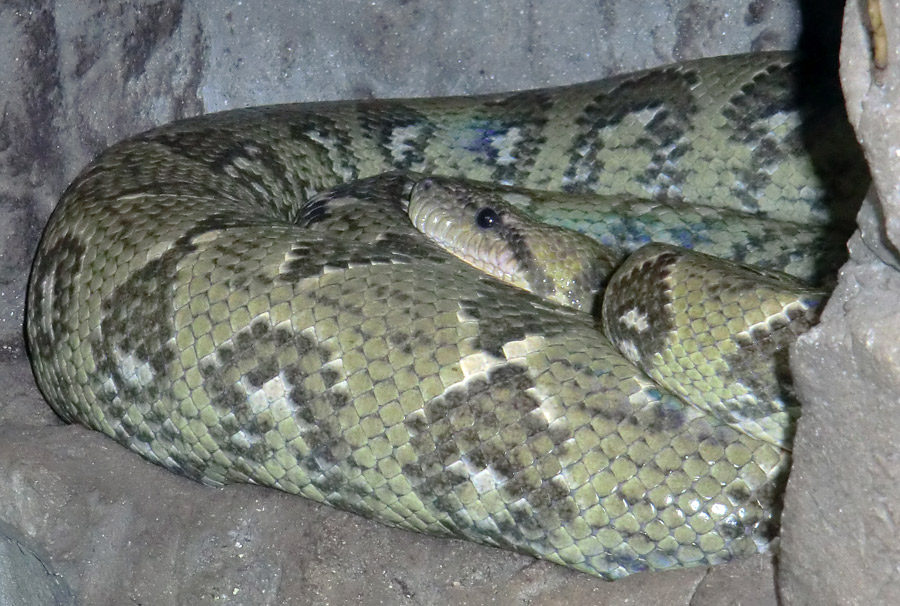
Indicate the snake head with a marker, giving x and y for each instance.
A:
(480, 225)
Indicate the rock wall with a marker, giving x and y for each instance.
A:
(841, 506)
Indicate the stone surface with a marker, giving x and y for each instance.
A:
(25, 578)
(841, 511)
(79, 76)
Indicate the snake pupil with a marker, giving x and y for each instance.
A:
(486, 218)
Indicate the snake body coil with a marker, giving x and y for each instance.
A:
(232, 297)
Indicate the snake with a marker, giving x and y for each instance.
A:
(552, 321)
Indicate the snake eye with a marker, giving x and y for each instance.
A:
(486, 218)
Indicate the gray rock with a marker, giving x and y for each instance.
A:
(841, 504)
(25, 578)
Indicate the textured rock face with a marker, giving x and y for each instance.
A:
(113, 529)
(841, 504)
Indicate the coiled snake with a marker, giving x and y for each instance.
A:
(243, 297)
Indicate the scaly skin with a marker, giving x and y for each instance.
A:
(191, 299)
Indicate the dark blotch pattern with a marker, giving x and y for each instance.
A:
(770, 93)
(645, 300)
(54, 289)
(667, 93)
(468, 424)
(390, 125)
(508, 134)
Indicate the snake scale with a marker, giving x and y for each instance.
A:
(242, 297)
